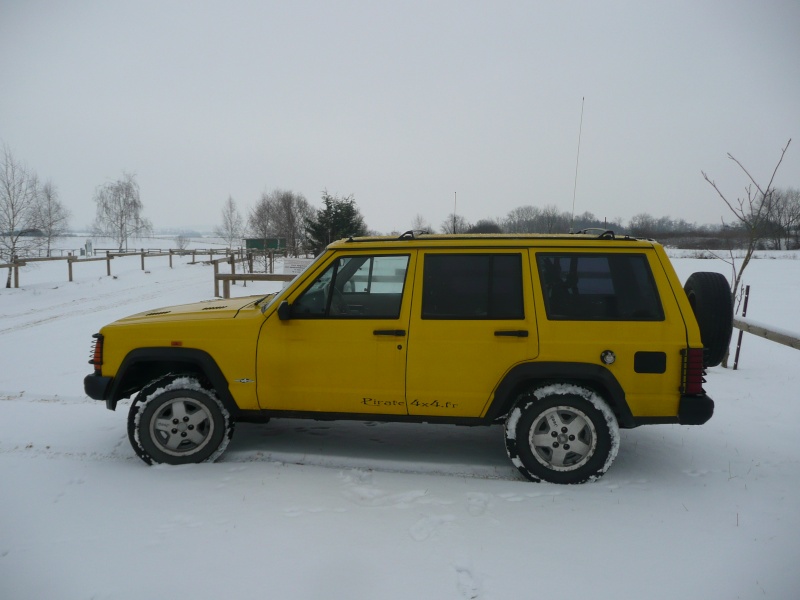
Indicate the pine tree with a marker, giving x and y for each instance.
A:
(338, 218)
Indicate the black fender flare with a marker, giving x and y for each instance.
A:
(143, 365)
(525, 376)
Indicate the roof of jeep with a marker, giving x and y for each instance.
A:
(416, 239)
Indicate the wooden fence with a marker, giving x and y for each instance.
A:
(786, 338)
(70, 260)
(232, 258)
(108, 255)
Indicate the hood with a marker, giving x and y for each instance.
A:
(208, 309)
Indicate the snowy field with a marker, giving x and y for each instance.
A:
(306, 509)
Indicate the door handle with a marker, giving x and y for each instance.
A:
(516, 333)
(394, 332)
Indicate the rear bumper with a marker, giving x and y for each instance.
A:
(695, 410)
(97, 387)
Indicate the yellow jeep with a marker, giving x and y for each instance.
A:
(563, 338)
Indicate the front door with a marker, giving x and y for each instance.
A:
(343, 349)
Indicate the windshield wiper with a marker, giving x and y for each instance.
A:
(260, 300)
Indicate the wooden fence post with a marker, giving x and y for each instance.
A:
(216, 281)
(741, 332)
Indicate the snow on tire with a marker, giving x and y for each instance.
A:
(178, 423)
(562, 433)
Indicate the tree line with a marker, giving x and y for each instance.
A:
(31, 216)
(777, 226)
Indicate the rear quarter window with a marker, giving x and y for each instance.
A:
(598, 287)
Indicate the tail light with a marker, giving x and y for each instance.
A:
(693, 371)
(97, 353)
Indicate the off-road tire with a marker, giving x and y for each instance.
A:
(144, 393)
(563, 434)
(710, 297)
(180, 422)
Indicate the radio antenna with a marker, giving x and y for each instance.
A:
(455, 210)
(577, 159)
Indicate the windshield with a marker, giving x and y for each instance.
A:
(272, 297)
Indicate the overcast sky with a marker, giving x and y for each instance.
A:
(403, 104)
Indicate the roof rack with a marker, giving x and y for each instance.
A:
(605, 234)
(415, 234)
(411, 234)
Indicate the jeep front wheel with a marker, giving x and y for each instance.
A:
(180, 424)
(562, 433)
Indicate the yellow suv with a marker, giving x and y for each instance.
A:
(564, 339)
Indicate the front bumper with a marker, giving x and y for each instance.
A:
(98, 387)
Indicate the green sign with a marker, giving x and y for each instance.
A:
(265, 243)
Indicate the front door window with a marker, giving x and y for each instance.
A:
(367, 287)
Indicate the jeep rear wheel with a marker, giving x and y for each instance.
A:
(562, 433)
(179, 424)
(712, 303)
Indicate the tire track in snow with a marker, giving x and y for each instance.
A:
(98, 303)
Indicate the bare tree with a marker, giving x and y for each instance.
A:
(753, 213)
(232, 226)
(420, 223)
(281, 214)
(784, 216)
(181, 242)
(119, 211)
(553, 221)
(455, 224)
(791, 222)
(643, 225)
(53, 216)
(19, 209)
(523, 219)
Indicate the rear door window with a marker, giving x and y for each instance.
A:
(472, 286)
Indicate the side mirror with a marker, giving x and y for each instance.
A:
(284, 311)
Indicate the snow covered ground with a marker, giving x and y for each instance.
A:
(306, 509)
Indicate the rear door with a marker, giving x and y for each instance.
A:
(471, 323)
